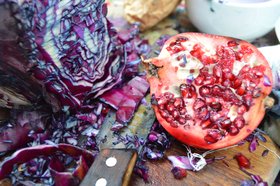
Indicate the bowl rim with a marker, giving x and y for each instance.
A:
(267, 3)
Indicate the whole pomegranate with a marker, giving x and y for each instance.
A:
(208, 91)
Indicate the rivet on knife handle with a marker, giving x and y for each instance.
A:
(104, 173)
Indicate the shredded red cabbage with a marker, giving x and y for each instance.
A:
(21, 127)
(256, 180)
(127, 98)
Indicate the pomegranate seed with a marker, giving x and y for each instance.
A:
(204, 71)
(242, 161)
(258, 70)
(225, 124)
(196, 52)
(217, 91)
(248, 99)
(170, 107)
(179, 173)
(161, 106)
(209, 139)
(187, 116)
(162, 100)
(216, 106)
(172, 44)
(217, 71)
(174, 124)
(215, 116)
(256, 81)
(205, 91)
(246, 49)
(187, 91)
(236, 83)
(168, 95)
(242, 109)
(227, 83)
(232, 43)
(199, 80)
(179, 58)
(241, 91)
(182, 39)
(205, 124)
(177, 48)
(192, 71)
(228, 75)
(244, 69)
(182, 121)
(175, 114)
(202, 113)
(164, 113)
(209, 100)
(239, 122)
(183, 111)
(236, 101)
(178, 103)
(209, 80)
(232, 130)
(259, 74)
(215, 126)
(238, 56)
(169, 119)
(228, 95)
(213, 136)
(199, 103)
(172, 100)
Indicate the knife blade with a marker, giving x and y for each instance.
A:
(116, 160)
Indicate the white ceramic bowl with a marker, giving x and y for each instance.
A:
(243, 19)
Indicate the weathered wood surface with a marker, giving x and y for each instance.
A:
(217, 173)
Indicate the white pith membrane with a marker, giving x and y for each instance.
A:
(184, 68)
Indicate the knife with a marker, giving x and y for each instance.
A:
(116, 160)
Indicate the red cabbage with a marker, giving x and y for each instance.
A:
(65, 56)
(20, 128)
(67, 47)
(256, 180)
(127, 98)
(57, 169)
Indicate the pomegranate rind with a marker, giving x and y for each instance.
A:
(193, 135)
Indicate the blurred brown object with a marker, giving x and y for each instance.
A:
(5, 182)
(272, 127)
(4, 114)
(148, 12)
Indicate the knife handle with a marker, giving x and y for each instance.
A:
(106, 170)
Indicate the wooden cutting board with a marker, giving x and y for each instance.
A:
(217, 173)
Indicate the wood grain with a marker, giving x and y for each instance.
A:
(217, 173)
(118, 175)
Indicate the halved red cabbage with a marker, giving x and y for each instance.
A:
(66, 49)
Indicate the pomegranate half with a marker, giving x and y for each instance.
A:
(208, 91)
